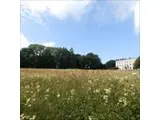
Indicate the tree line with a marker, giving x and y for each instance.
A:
(39, 56)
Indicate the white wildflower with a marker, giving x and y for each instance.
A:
(126, 77)
(121, 79)
(33, 117)
(105, 97)
(89, 88)
(31, 92)
(46, 96)
(72, 91)
(58, 95)
(134, 73)
(90, 81)
(125, 94)
(89, 118)
(132, 93)
(29, 105)
(47, 90)
(107, 91)
(123, 100)
(38, 86)
(27, 116)
(96, 91)
(28, 100)
(22, 115)
(38, 90)
(34, 99)
(27, 86)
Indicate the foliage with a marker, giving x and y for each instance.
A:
(39, 56)
(137, 63)
(110, 64)
(79, 95)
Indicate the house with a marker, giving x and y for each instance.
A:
(125, 64)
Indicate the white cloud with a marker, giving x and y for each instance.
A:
(119, 10)
(136, 17)
(24, 41)
(122, 10)
(60, 9)
(49, 44)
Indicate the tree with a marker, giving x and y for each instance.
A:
(110, 64)
(26, 58)
(92, 61)
(79, 60)
(137, 63)
(39, 56)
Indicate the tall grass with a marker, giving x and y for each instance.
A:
(79, 95)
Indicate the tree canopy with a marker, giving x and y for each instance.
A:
(110, 64)
(137, 63)
(39, 56)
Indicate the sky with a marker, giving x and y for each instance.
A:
(109, 28)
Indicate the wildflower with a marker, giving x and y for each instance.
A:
(47, 90)
(90, 81)
(46, 96)
(28, 100)
(89, 118)
(22, 116)
(58, 95)
(29, 105)
(134, 73)
(125, 94)
(27, 91)
(72, 91)
(132, 93)
(126, 77)
(89, 88)
(96, 91)
(105, 97)
(33, 117)
(121, 79)
(34, 99)
(38, 86)
(27, 86)
(107, 91)
(123, 100)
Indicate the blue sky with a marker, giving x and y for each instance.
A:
(107, 28)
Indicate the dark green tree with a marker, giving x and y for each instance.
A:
(137, 63)
(39, 56)
(110, 64)
(91, 61)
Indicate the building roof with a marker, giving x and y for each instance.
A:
(125, 59)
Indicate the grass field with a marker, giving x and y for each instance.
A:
(79, 95)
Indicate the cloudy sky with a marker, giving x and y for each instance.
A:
(107, 28)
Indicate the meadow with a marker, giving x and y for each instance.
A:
(50, 94)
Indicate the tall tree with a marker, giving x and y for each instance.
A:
(110, 64)
(92, 61)
(137, 63)
(39, 56)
